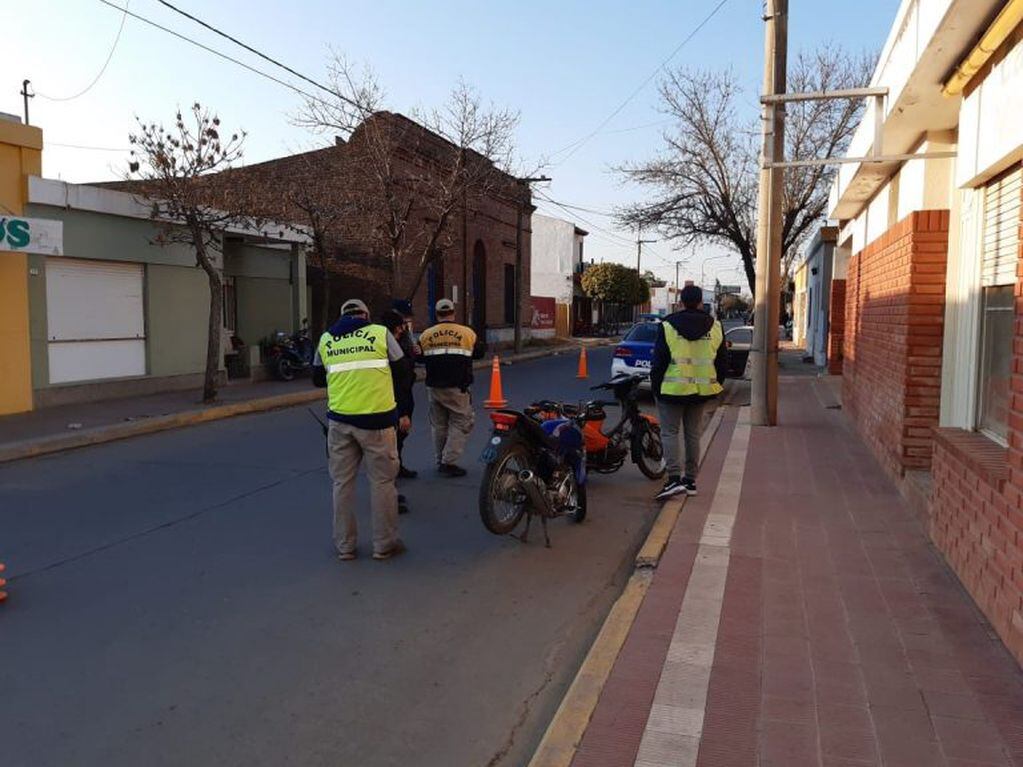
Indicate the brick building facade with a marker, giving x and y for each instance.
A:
(932, 332)
(892, 358)
(477, 245)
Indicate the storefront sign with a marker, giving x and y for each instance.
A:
(543, 313)
(32, 235)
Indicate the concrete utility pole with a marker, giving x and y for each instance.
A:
(639, 250)
(764, 352)
(518, 261)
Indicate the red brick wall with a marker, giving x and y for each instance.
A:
(895, 299)
(976, 514)
(977, 523)
(836, 327)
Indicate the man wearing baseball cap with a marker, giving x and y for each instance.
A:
(686, 372)
(448, 352)
(353, 362)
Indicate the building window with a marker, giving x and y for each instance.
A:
(999, 260)
(230, 305)
(997, 327)
(509, 294)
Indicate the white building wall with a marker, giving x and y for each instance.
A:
(989, 122)
(553, 247)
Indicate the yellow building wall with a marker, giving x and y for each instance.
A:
(20, 157)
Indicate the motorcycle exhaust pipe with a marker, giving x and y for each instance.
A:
(534, 490)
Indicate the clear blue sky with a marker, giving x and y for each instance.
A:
(564, 65)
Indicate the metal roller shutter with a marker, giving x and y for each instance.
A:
(95, 320)
(1001, 229)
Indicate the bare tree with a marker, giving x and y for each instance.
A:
(706, 181)
(174, 167)
(411, 183)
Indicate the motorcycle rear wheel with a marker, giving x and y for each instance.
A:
(502, 503)
(648, 450)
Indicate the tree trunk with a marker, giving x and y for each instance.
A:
(216, 319)
(749, 266)
(323, 318)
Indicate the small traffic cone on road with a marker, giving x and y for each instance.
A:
(3, 582)
(496, 398)
(582, 363)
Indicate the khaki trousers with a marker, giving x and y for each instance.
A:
(348, 446)
(451, 419)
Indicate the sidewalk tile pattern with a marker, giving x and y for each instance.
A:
(843, 639)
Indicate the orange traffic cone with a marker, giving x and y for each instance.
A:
(3, 582)
(496, 398)
(582, 363)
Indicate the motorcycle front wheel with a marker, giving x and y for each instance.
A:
(284, 369)
(502, 501)
(647, 450)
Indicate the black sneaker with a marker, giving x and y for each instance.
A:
(690, 485)
(451, 470)
(673, 486)
(404, 473)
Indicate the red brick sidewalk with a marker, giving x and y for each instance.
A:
(843, 638)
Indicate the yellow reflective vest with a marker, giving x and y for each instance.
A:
(691, 370)
(358, 371)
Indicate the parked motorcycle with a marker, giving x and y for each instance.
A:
(288, 355)
(535, 466)
(635, 434)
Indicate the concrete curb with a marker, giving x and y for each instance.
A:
(559, 743)
(57, 443)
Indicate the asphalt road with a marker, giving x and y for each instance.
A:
(175, 601)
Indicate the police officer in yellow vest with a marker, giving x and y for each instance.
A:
(687, 370)
(448, 352)
(353, 362)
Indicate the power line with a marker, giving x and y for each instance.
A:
(215, 52)
(93, 148)
(259, 53)
(623, 240)
(578, 144)
(117, 39)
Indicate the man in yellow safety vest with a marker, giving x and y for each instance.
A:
(353, 362)
(688, 367)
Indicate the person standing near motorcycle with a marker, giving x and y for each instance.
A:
(354, 363)
(448, 352)
(688, 366)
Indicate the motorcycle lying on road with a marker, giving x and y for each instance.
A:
(535, 466)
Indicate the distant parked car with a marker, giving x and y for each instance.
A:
(738, 342)
(636, 351)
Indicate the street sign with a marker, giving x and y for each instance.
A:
(729, 289)
(32, 235)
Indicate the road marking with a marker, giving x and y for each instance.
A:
(675, 724)
(560, 741)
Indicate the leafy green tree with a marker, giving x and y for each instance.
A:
(615, 284)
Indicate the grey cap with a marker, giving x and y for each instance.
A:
(354, 306)
(445, 306)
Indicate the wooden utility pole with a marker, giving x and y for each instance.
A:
(764, 352)
(639, 251)
(26, 96)
(518, 259)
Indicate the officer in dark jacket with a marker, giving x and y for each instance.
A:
(403, 373)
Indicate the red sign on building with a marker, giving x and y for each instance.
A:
(543, 313)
